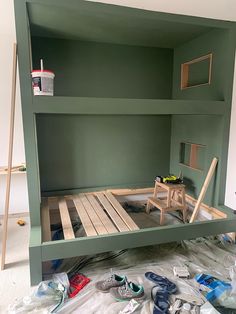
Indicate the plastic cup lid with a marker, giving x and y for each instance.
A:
(186, 307)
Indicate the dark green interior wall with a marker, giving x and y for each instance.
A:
(78, 151)
(92, 69)
(216, 42)
(198, 129)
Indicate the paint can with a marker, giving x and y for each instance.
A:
(43, 82)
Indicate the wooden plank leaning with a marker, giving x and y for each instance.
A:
(204, 189)
(10, 152)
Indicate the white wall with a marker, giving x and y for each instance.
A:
(219, 9)
(19, 198)
(230, 195)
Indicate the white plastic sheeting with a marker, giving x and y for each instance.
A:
(210, 256)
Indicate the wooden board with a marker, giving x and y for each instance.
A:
(84, 217)
(97, 222)
(46, 224)
(112, 213)
(122, 213)
(130, 191)
(216, 213)
(65, 219)
(10, 152)
(204, 189)
(14, 170)
(162, 204)
(102, 215)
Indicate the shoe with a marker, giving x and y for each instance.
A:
(161, 300)
(162, 282)
(127, 292)
(112, 281)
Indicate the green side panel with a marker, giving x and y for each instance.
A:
(23, 54)
(105, 70)
(124, 240)
(79, 151)
(216, 42)
(198, 129)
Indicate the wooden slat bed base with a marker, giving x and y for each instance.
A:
(100, 213)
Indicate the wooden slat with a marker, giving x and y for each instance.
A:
(46, 224)
(122, 213)
(102, 215)
(65, 219)
(112, 213)
(130, 191)
(86, 222)
(98, 225)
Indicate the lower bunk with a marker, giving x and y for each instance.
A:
(97, 222)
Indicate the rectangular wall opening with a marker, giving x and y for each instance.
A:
(192, 155)
(196, 72)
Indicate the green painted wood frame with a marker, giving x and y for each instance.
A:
(40, 251)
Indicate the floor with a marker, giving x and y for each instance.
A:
(201, 255)
(15, 277)
(211, 256)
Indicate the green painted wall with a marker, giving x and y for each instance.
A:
(205, 129)
(216, 42)
(94, 151)
(105, 70)
(199, 129)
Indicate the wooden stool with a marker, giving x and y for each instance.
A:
(175, 199)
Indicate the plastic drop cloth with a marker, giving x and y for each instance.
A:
(210, 256)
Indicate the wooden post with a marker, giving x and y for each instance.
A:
(204, 189)
(10, 150)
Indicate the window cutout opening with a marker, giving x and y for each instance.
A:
(196, 72)
(192, 155)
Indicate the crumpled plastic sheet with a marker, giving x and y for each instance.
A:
(210, 256)
(46, 298)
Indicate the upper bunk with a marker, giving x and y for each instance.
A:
(117, 60)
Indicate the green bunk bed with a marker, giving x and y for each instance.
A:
(136, 94)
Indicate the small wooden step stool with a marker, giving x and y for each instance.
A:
(175, 199)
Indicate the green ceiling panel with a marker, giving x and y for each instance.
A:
(112, 24)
